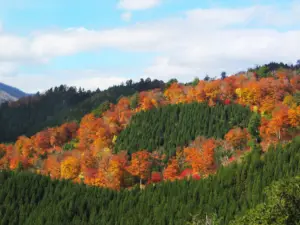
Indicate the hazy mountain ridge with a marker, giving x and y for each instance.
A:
(9, 93)
(5, 97)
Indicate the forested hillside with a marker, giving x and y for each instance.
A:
(223, 196)
(176, 125)
(58, 105)
(209, 148)
(179, 134)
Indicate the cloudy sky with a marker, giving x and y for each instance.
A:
(96, 43)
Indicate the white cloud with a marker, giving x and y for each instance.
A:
(138, 4)
(199, 42)
(87, 79)
(13, 47)
(196, 26)
(164, 68)
(126, 16)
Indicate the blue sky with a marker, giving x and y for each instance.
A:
(100, 43)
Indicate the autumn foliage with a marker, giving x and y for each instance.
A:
(140, 164)
(201, 159)
(172, 170)
(92, 160)
(237, 137)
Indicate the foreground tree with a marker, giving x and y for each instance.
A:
(281, 207)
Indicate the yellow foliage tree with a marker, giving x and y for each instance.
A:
(70, 168)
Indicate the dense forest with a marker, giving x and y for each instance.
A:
(227, 194)
(61, 104)
(172, 154)
(176, 125)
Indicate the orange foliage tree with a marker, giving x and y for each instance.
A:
(24, 146)
(201, 159)
(237, 138)
(114, 174)
(278, 125)
(172, 170)
(140, 165)
(52, 167)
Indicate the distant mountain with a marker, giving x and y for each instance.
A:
(5, 97)
(12, 91)
(9, 93)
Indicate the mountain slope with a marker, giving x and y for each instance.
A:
(231, 178)
(33, 199)
(58, 105)
(165, 146)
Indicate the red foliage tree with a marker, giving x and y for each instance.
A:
(156, 177)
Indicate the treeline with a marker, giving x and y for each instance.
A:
(33, 113)
(58, 105)
(268, 70)
(33, 199)
(168, 127)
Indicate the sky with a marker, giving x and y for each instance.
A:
(100, 43)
